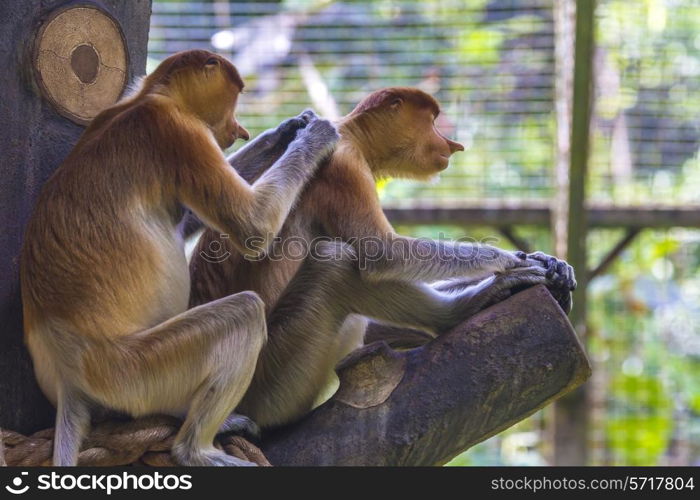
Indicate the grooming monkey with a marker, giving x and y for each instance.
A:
(105, 283)
(316, 308)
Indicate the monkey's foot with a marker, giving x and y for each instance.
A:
(206, 457)
(523, 278)
(559, 273)
(239, 424)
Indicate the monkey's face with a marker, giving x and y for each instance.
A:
(207, 85)
(431, 151)
(218, 102)
(395, 129)
(226, 129)
(437, 147)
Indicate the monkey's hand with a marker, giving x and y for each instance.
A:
(559, 276)
(316, 141)
(286, 131)
(258, 155)
(278, 138)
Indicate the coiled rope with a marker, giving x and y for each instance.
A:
(145, 441)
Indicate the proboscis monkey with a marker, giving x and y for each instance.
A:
(316, 306)
(105, 283)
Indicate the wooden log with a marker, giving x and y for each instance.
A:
(426, 405)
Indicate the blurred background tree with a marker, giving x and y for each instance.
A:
(492, 65)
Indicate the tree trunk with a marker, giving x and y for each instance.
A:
(34, 139)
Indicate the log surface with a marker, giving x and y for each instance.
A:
(426, 405)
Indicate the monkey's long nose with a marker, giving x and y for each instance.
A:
(243, 133)
(454, 146)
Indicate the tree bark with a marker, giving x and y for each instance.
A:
(426, 405)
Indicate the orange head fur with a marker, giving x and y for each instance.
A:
(212, 98)
(395, 130)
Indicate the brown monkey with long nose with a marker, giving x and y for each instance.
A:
(105, 283)
(358, 265)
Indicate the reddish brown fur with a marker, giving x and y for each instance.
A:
(384, 97)
(188, 60)
(390, 133)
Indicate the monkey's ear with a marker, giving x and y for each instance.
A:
(212, 63)
(395, 103)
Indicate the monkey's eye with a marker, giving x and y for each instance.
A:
(212, 61)
(395, 103)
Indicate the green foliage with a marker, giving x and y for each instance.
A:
(480, 46)
(640, 390)
(638, 439)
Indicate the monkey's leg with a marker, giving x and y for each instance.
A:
(303, 339)
(438, 308)
(303, 329)
(559, 288)
(304, 343)
(403, 337)
(72, 423)
(201, 360)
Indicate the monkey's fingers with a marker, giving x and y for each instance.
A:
(563, 297)
(564, 275)
(544, 259)
(288, 129)
(321, 136)
(308, 115)
(571, 277)
(519, 279)
(291, 126)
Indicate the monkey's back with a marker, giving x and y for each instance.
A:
(92, 251)
(214, 276)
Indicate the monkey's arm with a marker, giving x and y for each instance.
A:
(356, 215)
(251, 215)
(256, 157)
(262, 152)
